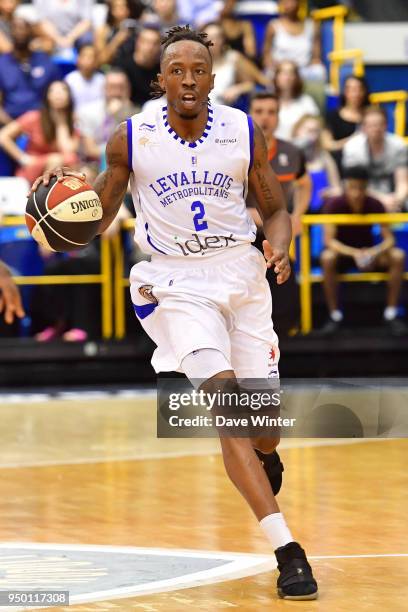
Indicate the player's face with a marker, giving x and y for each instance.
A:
(186, 77)
(355, 190)
(266, 114)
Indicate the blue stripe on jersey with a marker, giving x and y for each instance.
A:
(149, 240)
(145, 310)
(129, 143)
(251, 141)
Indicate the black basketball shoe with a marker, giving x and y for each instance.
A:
(296, 578)
(273, 467)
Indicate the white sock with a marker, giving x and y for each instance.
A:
(336, 315)
(276, 530)
(390, 313)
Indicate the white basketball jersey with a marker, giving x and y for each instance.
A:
(190, 197)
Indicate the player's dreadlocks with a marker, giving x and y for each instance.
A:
(175, 35)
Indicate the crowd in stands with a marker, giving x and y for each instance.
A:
(67, 79)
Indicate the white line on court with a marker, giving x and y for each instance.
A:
(237, 565)
(285, 444)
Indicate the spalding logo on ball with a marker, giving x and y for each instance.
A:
(64, 216)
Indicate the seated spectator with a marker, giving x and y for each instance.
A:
(143, 65)
(51, 138)
(287, 161)
(235, 75)
(97, 120)
(7, 8)
(86, 83)
(320, 165)
(164, 15)
(353, 245)
(67, 23)
(342, 122)
(24, 74)
(115, 40)
(73, 312)
(293, 39)
(293, 103)
(384, 155)
(199, 12)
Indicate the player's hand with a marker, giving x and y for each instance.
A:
(278, 259)
(10, 298)
(60, 172)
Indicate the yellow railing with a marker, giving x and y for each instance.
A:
(338, 13)
(104, 278)
(120, 282)
(338, 58)
(306, 276)
(399, 98)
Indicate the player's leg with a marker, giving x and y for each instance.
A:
(254, 359)
(267, 454)
(243, 467)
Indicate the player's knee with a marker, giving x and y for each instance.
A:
(266, 445)
(328, 258)
(205, 365)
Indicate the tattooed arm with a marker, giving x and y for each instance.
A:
(272, 208)
(111, 184)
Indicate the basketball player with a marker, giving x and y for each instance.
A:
(10, 298)
(203, 297)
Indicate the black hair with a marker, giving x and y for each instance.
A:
(263, 95)
(366, 97)
(177, 34)
(358, 173)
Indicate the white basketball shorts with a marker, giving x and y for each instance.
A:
(222, 303)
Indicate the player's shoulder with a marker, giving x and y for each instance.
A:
(150, 114)
(226, 116)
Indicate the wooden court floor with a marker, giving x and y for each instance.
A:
(92, 472)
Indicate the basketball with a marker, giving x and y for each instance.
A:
(63, 216)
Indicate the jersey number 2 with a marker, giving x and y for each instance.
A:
(199, 224)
